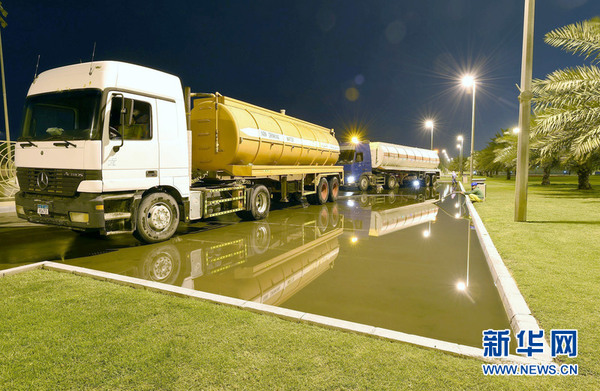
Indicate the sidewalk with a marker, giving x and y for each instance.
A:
(7, 207)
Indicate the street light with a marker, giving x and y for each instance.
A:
(3, 24)
(429, 125)
(469, 82)
(460, 165)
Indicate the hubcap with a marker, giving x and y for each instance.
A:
(261, 203)
(159, 216)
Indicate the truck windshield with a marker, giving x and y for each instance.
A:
(67, 115)
(346, 156)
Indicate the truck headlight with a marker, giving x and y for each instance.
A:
(79, 217)
(350, 179)
(416, 183)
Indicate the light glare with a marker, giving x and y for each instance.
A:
(468, 81)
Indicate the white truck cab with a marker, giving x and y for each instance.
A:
(96, 136)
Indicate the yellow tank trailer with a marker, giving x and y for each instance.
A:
(246, 140)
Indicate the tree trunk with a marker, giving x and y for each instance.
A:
(546, 176)
(508, 175)
(584, 178)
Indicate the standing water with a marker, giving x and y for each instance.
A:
(404, 260)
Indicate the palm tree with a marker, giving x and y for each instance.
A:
(506, 150)
(567, 102)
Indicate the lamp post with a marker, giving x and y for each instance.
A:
(429, 125)
(460, 164)
(469, 81)
(3, 25)
(525, 96)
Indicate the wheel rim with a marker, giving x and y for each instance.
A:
(159, 216)
(363, 183)
(261, 202)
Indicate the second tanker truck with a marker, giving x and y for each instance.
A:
(117, 148)
(370, 164)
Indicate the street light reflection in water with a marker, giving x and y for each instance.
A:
(364, 259)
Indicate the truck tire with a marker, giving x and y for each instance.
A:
(260, 202)
(363, 183)
(157, 218)
(434, 180)
(322, 193)
(334, 188)
(391, 182)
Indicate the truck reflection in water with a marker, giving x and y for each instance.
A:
(266, 261)
(381, 214)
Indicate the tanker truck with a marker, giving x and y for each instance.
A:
(114, 148)
(370, 164)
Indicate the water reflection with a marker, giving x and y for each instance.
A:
(266, 261)
(400, 260)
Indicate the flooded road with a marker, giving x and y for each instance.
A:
(404, 260)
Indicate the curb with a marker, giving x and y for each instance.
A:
(517, 310)
(287, 314)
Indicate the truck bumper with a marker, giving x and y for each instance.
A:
(84, 211)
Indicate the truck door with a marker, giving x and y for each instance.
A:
(130, 143)
(363, 159)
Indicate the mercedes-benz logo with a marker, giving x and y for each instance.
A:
(42, 180)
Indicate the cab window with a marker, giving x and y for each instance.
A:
(138, 116)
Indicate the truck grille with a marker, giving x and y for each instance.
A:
(61, 182)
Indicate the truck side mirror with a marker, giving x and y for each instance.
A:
(114, 130)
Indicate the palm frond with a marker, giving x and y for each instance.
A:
(581, 38)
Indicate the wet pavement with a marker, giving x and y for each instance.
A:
(405, 260)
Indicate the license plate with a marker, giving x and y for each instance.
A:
(42, 209)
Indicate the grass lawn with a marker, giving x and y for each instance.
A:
(59, 331)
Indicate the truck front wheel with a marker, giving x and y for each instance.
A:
(157, 218)
(363, 183)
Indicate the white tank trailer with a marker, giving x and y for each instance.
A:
(371, 164)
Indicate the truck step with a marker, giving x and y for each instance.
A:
(117, 216)
(118, 197)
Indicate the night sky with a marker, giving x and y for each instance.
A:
(381, 66)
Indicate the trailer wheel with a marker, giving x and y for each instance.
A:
(260, 203)
(392, 183)
(322, 193)
(334, 188)
(363, 183)
(157, 218)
